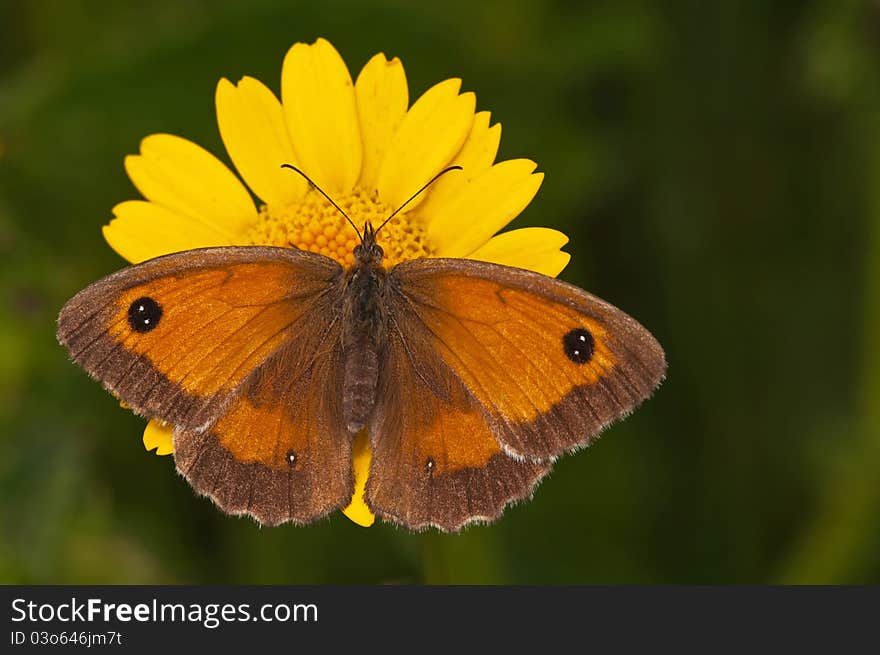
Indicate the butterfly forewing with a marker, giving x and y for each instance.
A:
(549, 364)
(175, 336)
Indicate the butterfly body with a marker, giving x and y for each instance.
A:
(471, 378)
(365, 325)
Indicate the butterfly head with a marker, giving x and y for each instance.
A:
(368, 252)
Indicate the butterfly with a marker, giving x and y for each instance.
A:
(471, 377)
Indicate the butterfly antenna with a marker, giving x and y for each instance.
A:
(417, 193)
(329, 199)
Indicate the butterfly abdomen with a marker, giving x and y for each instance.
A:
(364, 321)
(359, 391)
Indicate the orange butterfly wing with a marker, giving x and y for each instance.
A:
(225, 344)
(436, 461)
(489, 373)
(280, 451)
(549, 363)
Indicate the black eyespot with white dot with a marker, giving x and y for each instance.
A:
(579, 345)
(290, 458)
(144, 314)
(430, 465)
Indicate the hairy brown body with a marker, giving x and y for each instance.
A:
(364, 333)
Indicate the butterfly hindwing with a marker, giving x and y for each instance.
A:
(549, 363)
(436, 461)
(280, 451)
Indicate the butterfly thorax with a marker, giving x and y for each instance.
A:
(364, 321)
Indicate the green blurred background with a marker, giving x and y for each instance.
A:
(717, 166)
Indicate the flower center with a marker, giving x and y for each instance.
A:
(314, 224)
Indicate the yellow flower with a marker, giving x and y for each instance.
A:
(368, 149)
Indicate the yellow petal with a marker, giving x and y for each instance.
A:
(483, 206)
(430, 135)
(158, 435)
(255, 135)
(319, 105)
(184, 177)
(475, 156)
(479, 150)
(142, 230)
(382, 98)
(533, 248)
(357, 509)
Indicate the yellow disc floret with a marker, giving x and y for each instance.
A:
(314, 224)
